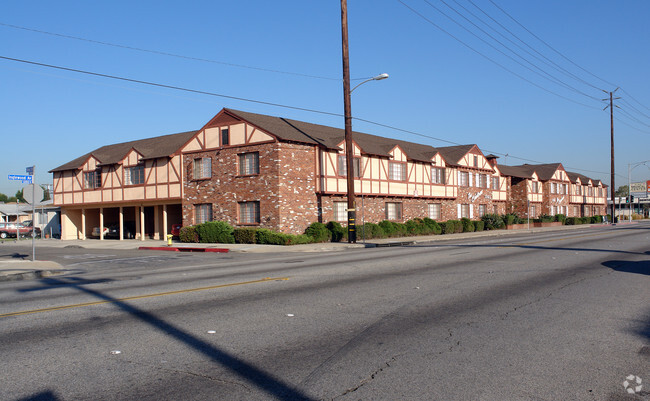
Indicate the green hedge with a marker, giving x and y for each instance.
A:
(468, 226)
(245, 235)
(215, 232)
(370, 231)
(480, 225)
(337, 231)
(319, 232)
(268, 237)
(188, 234)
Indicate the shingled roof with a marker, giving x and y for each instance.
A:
(149, 148)
(516, 171)
(330, 137)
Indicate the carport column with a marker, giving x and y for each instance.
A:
(83, 224)
(165, 222)
(101, 223)
(141, 223)
(156, 223)
(136, 234)
(121, 223)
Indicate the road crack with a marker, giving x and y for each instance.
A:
(368, 379)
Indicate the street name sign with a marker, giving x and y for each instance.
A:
(26, 179)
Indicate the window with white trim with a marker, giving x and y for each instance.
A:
(343, 166)
(340, 211)
(578, 190)
(535, 187)
(438, 175)
(495, 183)
(134, 175)
(533, 211)
(464, 210)
(393, 211)
(202, 168)
(249, 163)
(463, 178)
(397, 171)
(202, 213)
(249, 212)
(482, 210)
(482, 180)
(435, 211)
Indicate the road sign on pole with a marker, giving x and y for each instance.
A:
(26, 179)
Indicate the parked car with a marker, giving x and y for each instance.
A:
(113, 230)
(36, 230)
(176, 230)
(13, 229)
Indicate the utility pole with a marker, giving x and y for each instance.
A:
(352, 231)
(611, 122)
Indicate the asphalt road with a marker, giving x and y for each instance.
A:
(557, 316)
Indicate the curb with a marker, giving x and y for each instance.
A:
(30, 275)
(182, 249)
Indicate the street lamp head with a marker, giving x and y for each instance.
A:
(380, 77)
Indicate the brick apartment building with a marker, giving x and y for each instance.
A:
(256, 170)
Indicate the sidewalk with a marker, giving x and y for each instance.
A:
(19, 269)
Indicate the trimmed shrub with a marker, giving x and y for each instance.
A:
(370, 231)
(572, 221)
(452, 226)
(188, 234)
(318, 231)
(492, 221)
(597, 219)
(244, 235)
(544, 218)
(215, 232)
(388, 227)
(416, 227)
(479, 225)
(510, 219)
(468, 226)
(432, 226)
(337, 231)
(560, 217)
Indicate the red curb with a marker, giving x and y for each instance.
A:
(182, 249)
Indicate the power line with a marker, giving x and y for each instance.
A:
(634, 108)
(549, 46)
(162, 53)
(554, 64)
(247, 100)
(636, 101)
(491, 60)
(545, 75)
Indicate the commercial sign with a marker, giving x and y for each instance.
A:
(639, 187)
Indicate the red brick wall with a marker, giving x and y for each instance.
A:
(296, 203)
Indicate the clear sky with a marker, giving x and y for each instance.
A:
(289, 52)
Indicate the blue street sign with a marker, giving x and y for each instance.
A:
(29, 170)
(26, 179)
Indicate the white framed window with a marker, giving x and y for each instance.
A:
(435, 211)
(202, 168)
(134, 175)
(535, 187)
(397, 171)
(249, 212)
(495, 183)
(578, 190)
(482, 209)
(202, 213)
(553, 188)
(563, 190)
(591, 191)
(249, 163)
(393, 211)
(343, 166)
(340, 211)
(463, 178)
(482, 180)
(464, 210)
(533, 211)
(438, 175)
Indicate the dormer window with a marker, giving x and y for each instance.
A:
(134, 175)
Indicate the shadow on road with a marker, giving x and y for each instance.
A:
(628, 266)
(42, 396)
(246, 371)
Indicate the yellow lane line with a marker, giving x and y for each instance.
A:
(160, 294)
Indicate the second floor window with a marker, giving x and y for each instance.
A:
(202, 168)
(397, 171)
(463, 179)
(134, 175)
(93, 179)
(535, 187)
(482, 181)
(495, 183)
(249, 163)
(437, 175)
(578, 190)
(343, 166)
(225, 136)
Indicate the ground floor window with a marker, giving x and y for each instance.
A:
(435, 211)
(495, 209)
(249, 212)
(340, 211)
(482, 210)
(393, 211)
(533, 211)
(464, 211)
(203, 213)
